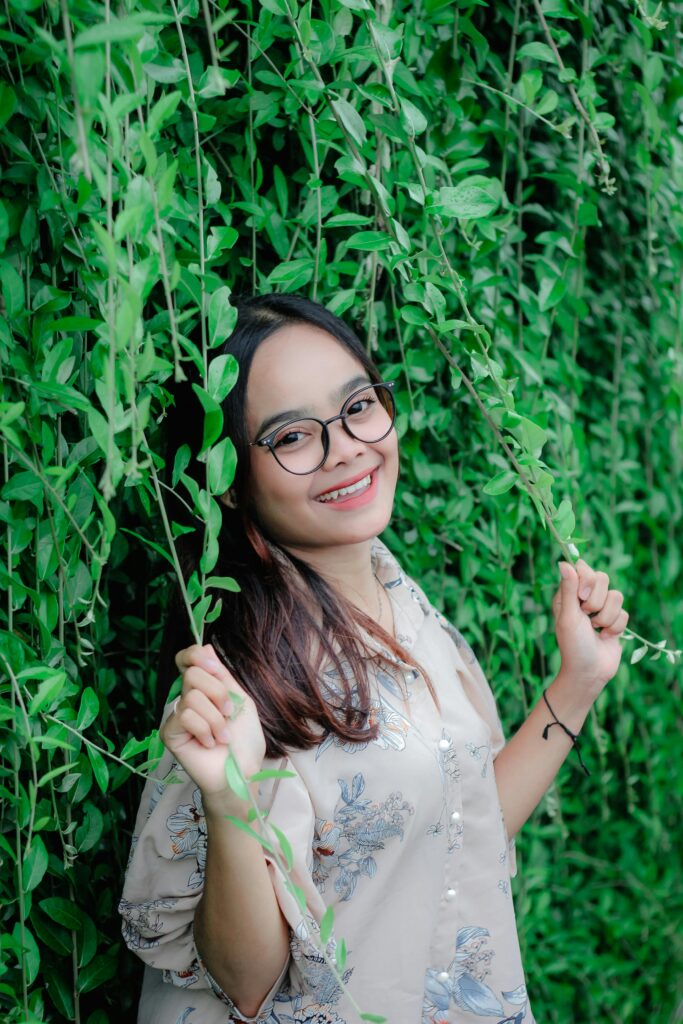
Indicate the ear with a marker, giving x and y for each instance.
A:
(229, 499)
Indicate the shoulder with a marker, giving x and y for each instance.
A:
(393, 576)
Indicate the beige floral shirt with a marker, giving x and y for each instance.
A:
(402, 836)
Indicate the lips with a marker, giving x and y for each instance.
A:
(347, 488)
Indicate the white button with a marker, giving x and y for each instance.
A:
(450, 893)
(455, 816)
(444, 744)
(443, 976)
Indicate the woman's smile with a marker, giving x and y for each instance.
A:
(352, 493)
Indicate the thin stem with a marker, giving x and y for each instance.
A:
(608, 184)
(82, 140)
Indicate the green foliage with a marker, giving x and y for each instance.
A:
(492, 194)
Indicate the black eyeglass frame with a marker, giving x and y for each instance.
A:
(268, 440)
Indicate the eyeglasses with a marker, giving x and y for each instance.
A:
(301, 446)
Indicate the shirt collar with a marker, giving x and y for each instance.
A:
(408, 604)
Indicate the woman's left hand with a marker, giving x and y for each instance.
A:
(583, 605)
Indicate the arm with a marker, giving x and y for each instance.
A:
(240, 933)
(527, 765)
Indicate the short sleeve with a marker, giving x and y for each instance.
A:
(164, 879)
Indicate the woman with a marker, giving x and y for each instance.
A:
(403, 800)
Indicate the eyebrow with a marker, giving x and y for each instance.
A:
(293, 414)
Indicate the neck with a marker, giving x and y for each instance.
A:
(349, 570)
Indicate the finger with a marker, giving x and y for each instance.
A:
(609, 611)
(617, 627)
(598, 593)
(586, 578)
(189, 721)
(565, 601)
(199, 702)
(196, 655)
(195, 678)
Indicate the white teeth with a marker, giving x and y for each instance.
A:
(343, 491)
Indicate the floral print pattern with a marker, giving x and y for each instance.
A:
(464, 984)
(360, 828)
(187, 828)
(142, 922)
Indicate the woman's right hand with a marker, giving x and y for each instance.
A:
(207, 722)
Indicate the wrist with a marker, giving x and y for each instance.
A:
(571, 700)
(217, 806)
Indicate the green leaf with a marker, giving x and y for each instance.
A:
(285, 846)
(12, 289)
(223, 583)
(275, 6)
(161, 111)
(293, 274)
(89, 709)
(99, 767)
(638, 654)
(213, 417)
(472, 199)
(552, 291)
(242, 825)
(268, 773)
(90, 831)
(351, 120)
(116, 30)
(35, 864)
(347, 220)
(150, 544)
(216, 81)
(8, 103)
(63, 912)
(223, 371)
(537, 51)
(341, 955)
(221, 462)
(99, 970)
(564, 519)
(413, 120)
(47, 693)
(369, 241)
(234, 777)
(500, 483)
(326, 925)
(222, 316)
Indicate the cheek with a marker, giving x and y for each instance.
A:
(274, 492)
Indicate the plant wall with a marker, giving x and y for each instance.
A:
(492, 194)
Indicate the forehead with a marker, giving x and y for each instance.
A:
(299, 366)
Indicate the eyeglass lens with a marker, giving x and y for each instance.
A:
(300, 446)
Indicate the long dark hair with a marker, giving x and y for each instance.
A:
(287, 621)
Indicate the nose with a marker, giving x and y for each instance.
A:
(343, 446)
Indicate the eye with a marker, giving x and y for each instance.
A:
(290, 437)
(361, 404)
(296, 434)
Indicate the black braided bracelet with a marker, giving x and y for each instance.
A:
(572, 736)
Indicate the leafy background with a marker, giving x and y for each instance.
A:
(492, 194)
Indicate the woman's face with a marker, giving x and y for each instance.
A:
(301, 367)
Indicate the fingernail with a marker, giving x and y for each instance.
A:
(564, 570)
(223, 736)
(210, 741)
(212, 664)
(585, 592)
